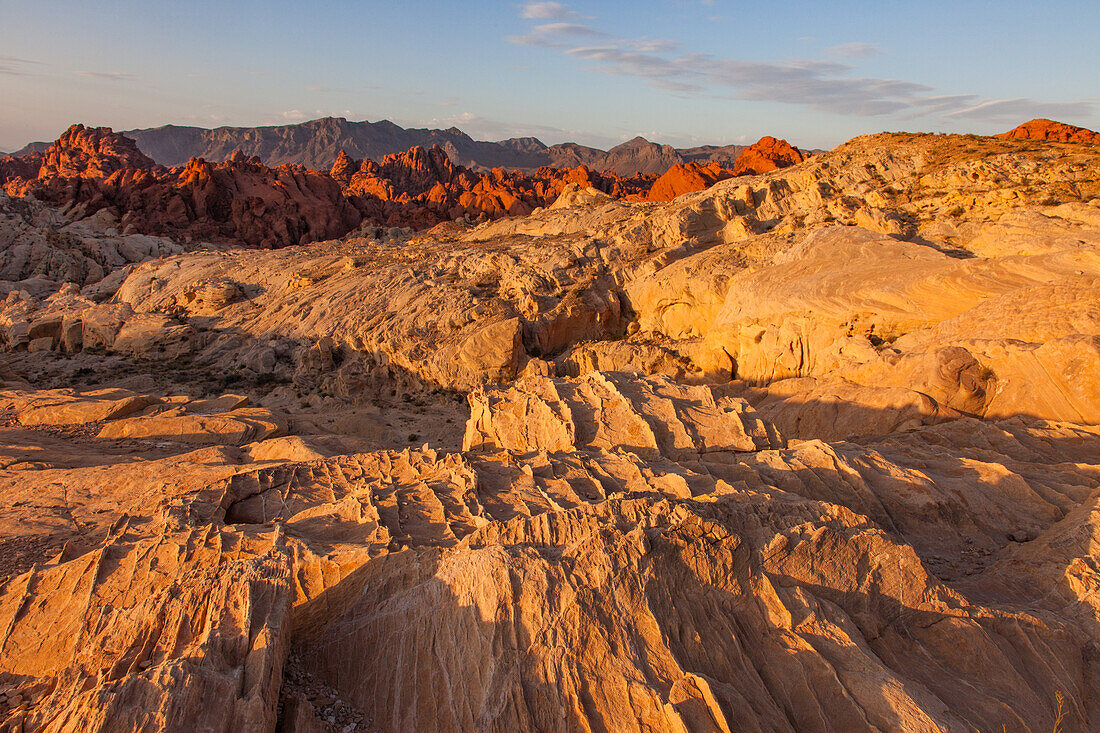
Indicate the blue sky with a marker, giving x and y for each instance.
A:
(677, 71)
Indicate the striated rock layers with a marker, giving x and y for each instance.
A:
(564, 585)
(811, 450)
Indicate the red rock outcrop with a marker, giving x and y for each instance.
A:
(422, 187)
(89, 168)
(1042, 129)
(92, 169)
(24, 166)
(685, 178)
(767, 154)
(245, 199)
(92, 152)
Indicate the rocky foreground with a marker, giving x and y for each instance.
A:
(813, 450)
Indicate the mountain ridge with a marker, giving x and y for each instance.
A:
(316, 144)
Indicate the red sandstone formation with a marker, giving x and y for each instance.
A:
(1041, 129)
(421, 188)
(92, 152)
(767, 154)
(24, 166)
(686, 177)
(262, 206)
(90, 169)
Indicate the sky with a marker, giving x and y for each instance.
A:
(682, 72)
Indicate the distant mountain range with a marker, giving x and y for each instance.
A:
(317, 143)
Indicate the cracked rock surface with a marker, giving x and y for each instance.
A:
(811, 450)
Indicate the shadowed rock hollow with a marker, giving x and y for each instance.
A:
(814, 449)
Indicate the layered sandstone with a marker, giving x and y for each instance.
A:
(814, 449)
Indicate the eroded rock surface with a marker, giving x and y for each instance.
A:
(815, 449)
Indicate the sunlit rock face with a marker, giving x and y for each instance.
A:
(815, 448)
(95, 172)
(1040, 129)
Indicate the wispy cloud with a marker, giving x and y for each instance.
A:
(548, 11)
(556, 35)
(823, 85)
(567, 29)
(106, 75)
(855, 50)
(1014, 110)
(14, 66)
(645, 45)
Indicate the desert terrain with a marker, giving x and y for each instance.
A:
(770, 441)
